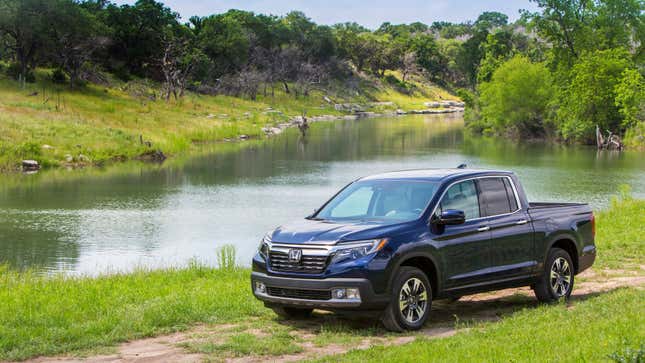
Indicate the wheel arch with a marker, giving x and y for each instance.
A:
(568, 244)
(424, 262)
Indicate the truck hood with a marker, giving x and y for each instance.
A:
(315, 232)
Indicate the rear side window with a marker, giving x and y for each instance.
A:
(511, 194)
(496, 197)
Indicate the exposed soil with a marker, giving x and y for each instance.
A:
(475, 308)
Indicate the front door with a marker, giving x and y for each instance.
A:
(464, 248)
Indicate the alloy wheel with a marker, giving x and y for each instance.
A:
(560, 277)
(413, 300)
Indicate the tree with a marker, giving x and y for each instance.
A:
(138, 32)
(428, 55)
(590, 98)
(24, 24)
(224, 40)
(515, 100)
(630, 98)
(76, 34)
(410, 64)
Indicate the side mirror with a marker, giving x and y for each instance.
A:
(450, 217)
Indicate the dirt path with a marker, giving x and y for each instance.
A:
(313, 337)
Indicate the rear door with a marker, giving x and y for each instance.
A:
(512, 235)
(464, 248)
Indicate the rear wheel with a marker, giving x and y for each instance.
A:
(411, 301)
(292, 313)
(556, 282)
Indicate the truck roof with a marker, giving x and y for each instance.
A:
(434, 174)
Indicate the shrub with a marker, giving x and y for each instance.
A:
(58, 76)
(517, 97)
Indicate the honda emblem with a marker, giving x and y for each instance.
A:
(295, 255)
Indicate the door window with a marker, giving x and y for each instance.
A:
(496, 197)
(461, 196)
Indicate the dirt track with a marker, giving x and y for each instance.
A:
(475, 308)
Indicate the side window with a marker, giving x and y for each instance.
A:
(357, 204)
(495, 196)
(511, 195)
(462, 196)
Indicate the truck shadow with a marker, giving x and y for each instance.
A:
(445, 319)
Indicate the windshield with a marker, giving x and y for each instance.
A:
(385, 200)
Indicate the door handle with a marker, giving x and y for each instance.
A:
(522, 221)
(483, 229)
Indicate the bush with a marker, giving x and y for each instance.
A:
(13, 71)
(516, 98)
(58, 76)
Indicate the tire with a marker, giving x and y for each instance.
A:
(556, 282)
(410, 301)
(292, 313)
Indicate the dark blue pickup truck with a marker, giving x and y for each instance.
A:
(392, 243)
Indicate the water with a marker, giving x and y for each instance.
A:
(97, 221)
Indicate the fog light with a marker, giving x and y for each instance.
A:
(353, 294)
(338, 293)
(260, 287)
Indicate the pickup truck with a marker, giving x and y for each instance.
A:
(394, 242)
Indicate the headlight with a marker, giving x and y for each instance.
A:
(357, 249)
(265, 246)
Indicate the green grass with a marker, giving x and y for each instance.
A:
(96, 124)
(620, 233)
(586, 331)
(51, 315)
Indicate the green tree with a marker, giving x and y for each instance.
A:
(630, 97)
(225, 41)
(590, 98)
(515, 100)
(24, 24)
(76, 34)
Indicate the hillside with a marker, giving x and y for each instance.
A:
(96, 124)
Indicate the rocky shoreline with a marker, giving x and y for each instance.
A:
(439, 107)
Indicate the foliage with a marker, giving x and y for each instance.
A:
(226, 259)
(630, 97)
(516, 99)
(590, 99)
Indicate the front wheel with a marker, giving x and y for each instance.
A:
(411, 301)
(556, 282)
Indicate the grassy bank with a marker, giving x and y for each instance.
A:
(563, 333)
(45, 316)
(98, 124)
(51, 315)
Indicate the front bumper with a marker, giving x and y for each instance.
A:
(368, 299)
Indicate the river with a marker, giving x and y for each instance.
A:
(132, 215)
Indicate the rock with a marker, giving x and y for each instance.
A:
(47, 147)
(432, 104)
(327, 99)
(244, 137)
(400, 112)
(30, 165)
(210, 115)
(69, 158)
(83, 159)
(156, 156)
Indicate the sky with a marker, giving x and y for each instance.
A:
(369, 13)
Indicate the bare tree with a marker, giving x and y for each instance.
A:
(176, 65)
(409, 64)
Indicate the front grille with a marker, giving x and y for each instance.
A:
(299, 294)
(279, 261)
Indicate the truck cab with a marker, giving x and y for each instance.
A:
(391, 243)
